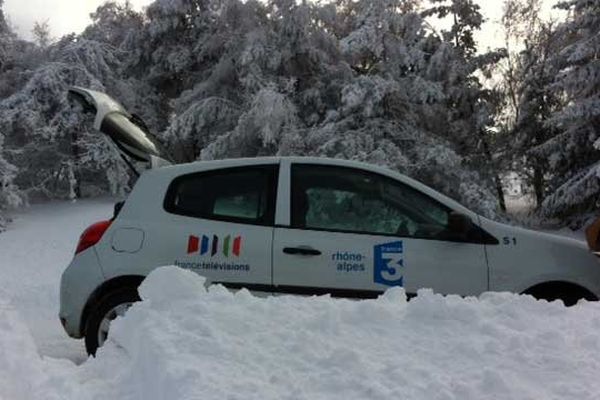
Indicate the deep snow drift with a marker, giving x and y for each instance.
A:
(186, 342)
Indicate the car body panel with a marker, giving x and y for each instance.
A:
(78, 282)
(375, 263)
(525, 258)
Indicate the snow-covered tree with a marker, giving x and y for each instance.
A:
(44, 137)
(362, 79)
(8, 192)
(113, 23)
(573, 152)
(527, 75)
(536, 105)
(366, 80)
(51, 145)
(41, 33)
(466, 19)
(9, 196)
(470, 106)
(4, 33)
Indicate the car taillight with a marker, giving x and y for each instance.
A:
(92, 235)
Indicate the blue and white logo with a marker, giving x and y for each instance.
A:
(389, 262)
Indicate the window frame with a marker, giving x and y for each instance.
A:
(481, 236)
(271, 172)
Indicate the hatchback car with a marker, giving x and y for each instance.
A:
(297, 225)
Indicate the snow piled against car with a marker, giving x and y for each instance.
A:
(184, 341)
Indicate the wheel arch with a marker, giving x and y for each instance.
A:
(558, 289)
(109, 286)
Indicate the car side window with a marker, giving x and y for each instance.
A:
(245, 195)
(352, 200)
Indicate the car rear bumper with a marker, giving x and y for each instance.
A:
(78, 282)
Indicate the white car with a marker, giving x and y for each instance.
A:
(302, 226)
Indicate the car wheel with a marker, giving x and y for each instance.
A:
(108, 308)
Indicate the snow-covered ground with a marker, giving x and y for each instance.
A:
(184, 342)
(34, 251)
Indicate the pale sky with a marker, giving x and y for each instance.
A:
(66, 16)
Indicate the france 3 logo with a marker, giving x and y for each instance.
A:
(389, 262)
(206, 245)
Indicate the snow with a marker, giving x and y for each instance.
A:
(215, 344)
(34, 251)
(184, 341)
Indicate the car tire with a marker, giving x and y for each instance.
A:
(109, 307)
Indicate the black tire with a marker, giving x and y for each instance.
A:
(106, 304)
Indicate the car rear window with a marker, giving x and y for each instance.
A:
(244, 195)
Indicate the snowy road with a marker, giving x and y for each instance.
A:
(34, 251)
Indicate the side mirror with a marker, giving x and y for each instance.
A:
(459, 225)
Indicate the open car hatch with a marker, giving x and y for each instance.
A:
(127, 131)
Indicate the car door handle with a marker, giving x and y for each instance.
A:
(301, 251)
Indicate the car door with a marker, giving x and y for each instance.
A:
(219, 223)
(352, 232)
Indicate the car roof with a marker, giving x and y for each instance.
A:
(240, 162)
(275, 160)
